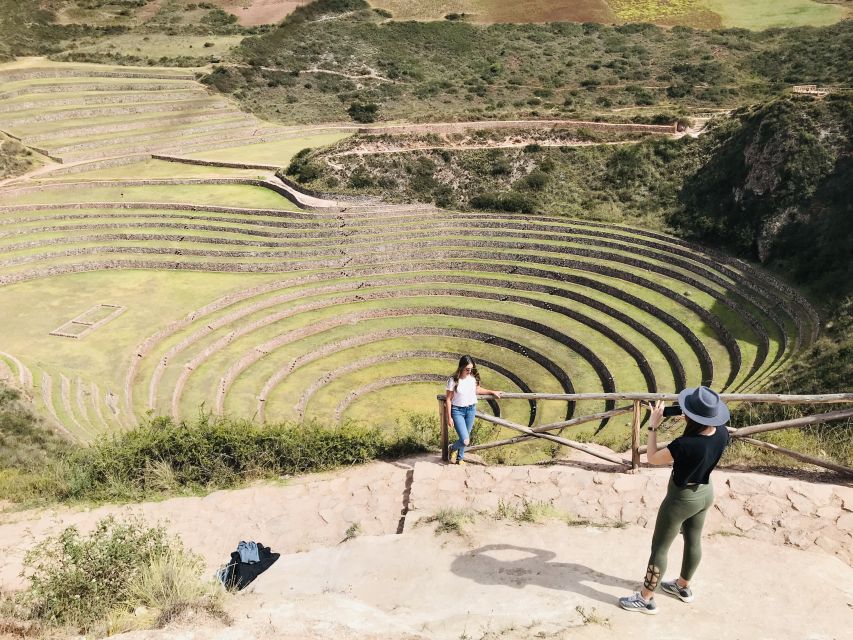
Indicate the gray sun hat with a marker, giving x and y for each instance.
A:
(704, 406)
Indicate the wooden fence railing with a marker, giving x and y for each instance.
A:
(637, 408)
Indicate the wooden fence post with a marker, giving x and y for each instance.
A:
(442, 417)
(635, 436)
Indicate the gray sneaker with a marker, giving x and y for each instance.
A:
(672, 588)
(636, 602)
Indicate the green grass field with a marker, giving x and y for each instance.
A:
(777, 13)
(277, 153)
(245, 196)
(761, 14)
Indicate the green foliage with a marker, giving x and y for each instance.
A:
(15, 158)
(506, 201)
(25, 443)
(27, 28)
(162, 457)
(806, 55)
(453, 69)
(353, 531)
(173, 582)
(535, 180)
(365, 113)
(451, 520)
(319, 8)
(220, 22)
(775, 187)
(77, 580)
(302, 168)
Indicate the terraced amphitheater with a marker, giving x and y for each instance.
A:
(243, 296)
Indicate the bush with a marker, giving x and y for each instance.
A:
(536, 180)
(25, 443)
(508, 201)
(364, 113)
(360, 179)
(172, 582)
(77, 580)
(161, 457)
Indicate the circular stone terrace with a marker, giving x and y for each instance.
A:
(335, 309)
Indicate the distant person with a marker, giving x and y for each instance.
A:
(689, 494)
(461, 404)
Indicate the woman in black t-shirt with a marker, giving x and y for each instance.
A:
(689, 495)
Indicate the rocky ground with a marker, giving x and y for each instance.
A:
(777, 550)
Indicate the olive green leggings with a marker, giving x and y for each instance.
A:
(683, 508)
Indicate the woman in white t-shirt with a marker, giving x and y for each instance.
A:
(461, 402)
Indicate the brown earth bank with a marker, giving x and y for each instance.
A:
(500, 577)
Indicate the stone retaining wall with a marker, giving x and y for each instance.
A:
(384, 383)
(38, 89)
(396, 356)
(132, 125)
(322, 194)
(147, 135)
(260, 351)
(13, 75)
(215, 163)
(85, 100)
(96, 112)
(780, 511)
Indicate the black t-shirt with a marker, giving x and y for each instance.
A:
(696, 456)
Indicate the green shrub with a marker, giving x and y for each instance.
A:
(451, 520)
(360, 179)
(364, 113)
(77, 580)
(161, 457)
(536, 180)
(25, 442)
(173, 582)
(512, 201)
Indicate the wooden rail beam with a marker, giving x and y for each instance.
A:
(635, 435)
(802, 457)
(552, 427)
(771, 398)
(794, 422)
(442, 417)
(547, 436)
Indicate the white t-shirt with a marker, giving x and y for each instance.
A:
(466, 391)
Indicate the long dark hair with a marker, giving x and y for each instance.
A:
(693, 428)
(466, 361)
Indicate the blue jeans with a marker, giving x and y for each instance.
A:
(463, 421)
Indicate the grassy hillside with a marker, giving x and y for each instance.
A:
(15, 158)
(768, 184)
(140, 32)
(775, 187)
(758, 14)
(310, 70)
(24, 441)
(616, 183)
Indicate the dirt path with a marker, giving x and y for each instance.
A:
(501, 578)
(369, 151)
(513, 582)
